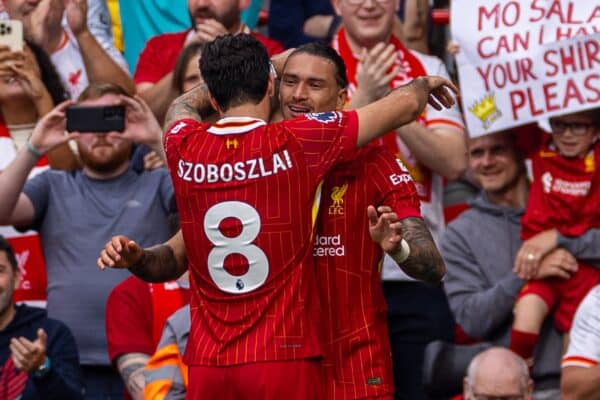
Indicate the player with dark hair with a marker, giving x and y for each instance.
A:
(246, 190)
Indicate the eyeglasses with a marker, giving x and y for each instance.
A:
(359, 2)
(576, 128)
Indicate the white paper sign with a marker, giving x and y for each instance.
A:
(521, 61)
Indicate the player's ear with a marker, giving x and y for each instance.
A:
(271, 86)
(214, 104)
(342, 96)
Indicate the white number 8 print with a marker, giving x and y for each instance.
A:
(258, 264)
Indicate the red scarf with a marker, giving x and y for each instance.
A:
(410, 68)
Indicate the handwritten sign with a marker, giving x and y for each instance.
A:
(520, 61)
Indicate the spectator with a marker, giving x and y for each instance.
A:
(29, 88)
(136, 312)
(166, 374)
(432, 148)
(482, 289)
(497, 373)
(581, 362)
(145, 18)
(186, 73)
(564, 197)
(76, 212)
(76, 54)
(38, 355)
(210, 18)
(242, 63)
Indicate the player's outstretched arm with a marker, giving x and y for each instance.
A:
(192, 104)
(403, 105)
(408, 242)
(160, 263)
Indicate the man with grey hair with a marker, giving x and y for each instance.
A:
(497, 373)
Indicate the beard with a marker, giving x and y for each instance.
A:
(108, 163)
(228, 20)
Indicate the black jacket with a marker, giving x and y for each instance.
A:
(64, 380)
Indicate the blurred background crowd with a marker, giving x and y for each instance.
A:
(110, 335)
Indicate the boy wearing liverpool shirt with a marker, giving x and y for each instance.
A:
(564, 196)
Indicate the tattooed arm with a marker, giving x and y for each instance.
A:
(131, 367)
(193, 104)
(160, 263)
(403, 105)
(424, 261)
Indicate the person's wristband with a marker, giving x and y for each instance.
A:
(33, 150)
(404, 252)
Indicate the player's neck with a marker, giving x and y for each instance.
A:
(259, 111)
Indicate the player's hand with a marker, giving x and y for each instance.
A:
(376, 69)
(439, 95)
(49, 132)
(208, 30)
(120, 252)
(558, 263)
(532, 251)
(27, 355)
(385, 229)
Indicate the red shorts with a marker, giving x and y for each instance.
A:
(288, 380)
(564, 295)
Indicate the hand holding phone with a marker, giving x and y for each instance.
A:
(11, 34)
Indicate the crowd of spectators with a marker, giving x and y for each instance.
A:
(511, 257)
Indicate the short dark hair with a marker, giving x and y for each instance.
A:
(182, 61)
(235, 69)
(97, 90)
(325, 51)
(10, 253)
(49, 75)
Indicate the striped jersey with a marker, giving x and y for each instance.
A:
(358, 361)
(246, 193)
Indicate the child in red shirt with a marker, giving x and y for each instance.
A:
(564, 195)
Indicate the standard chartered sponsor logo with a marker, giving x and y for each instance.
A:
(328, 246)
(576, 189)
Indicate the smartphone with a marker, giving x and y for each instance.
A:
(11, 34)
(95, 119)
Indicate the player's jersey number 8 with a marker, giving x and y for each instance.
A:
(258, 264)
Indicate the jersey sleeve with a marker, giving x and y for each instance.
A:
(327, 138)
(173, 137)
(393, 183)
(446, 117)
(584, 344)
(37, 189)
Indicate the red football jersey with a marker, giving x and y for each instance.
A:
(564, 194)
(246, 194)
(358, 361)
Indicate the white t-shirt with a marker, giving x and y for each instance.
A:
(584, 344)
